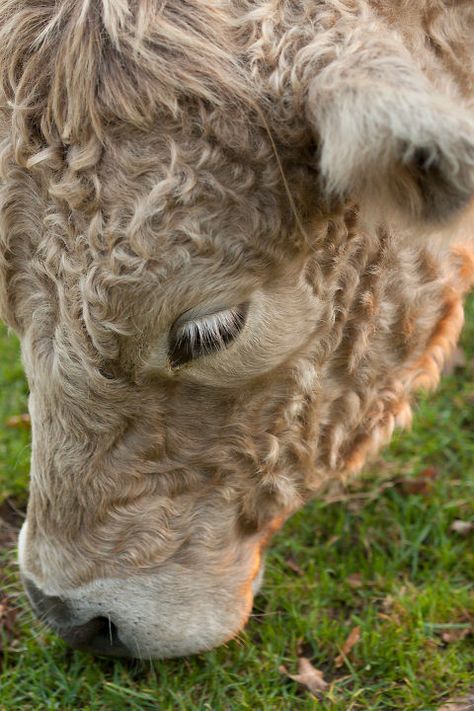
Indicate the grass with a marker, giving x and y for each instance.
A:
(382, 558)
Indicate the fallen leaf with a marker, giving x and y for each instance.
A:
(421, 484)
(456, 635)
(353, 638)
(464, 704)
(428, 473)
(462, 527)
(355, 581)
(457, 361)
(22, 422)
(293, 565)
(8, 615)
(308, 676)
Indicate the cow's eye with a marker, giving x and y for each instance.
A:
(191, 338)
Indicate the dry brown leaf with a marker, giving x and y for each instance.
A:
(353, 638)
(355, 581)
(464, 704)
(308, 676)
(462, 527)
(428, 473)
(421, 484)
(8, 615)
(456, 635)
(293, 565)
(21, 422)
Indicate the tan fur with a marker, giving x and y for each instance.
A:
(309, 159)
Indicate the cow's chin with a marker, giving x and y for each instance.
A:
(174, 612)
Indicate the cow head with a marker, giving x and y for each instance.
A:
(210, 328)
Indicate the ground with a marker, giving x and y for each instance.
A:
(391, 561)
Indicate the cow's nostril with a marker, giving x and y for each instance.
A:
(99, 635)
(81, 636)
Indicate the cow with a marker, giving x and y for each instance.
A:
(235, 237)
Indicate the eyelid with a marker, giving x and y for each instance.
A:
(191, 338)
(198, 314)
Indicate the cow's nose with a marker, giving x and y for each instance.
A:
(98, 635)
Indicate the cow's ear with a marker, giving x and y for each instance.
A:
(386, 137)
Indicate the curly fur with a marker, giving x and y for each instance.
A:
(312, 160)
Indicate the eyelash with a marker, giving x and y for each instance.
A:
(205, 335)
